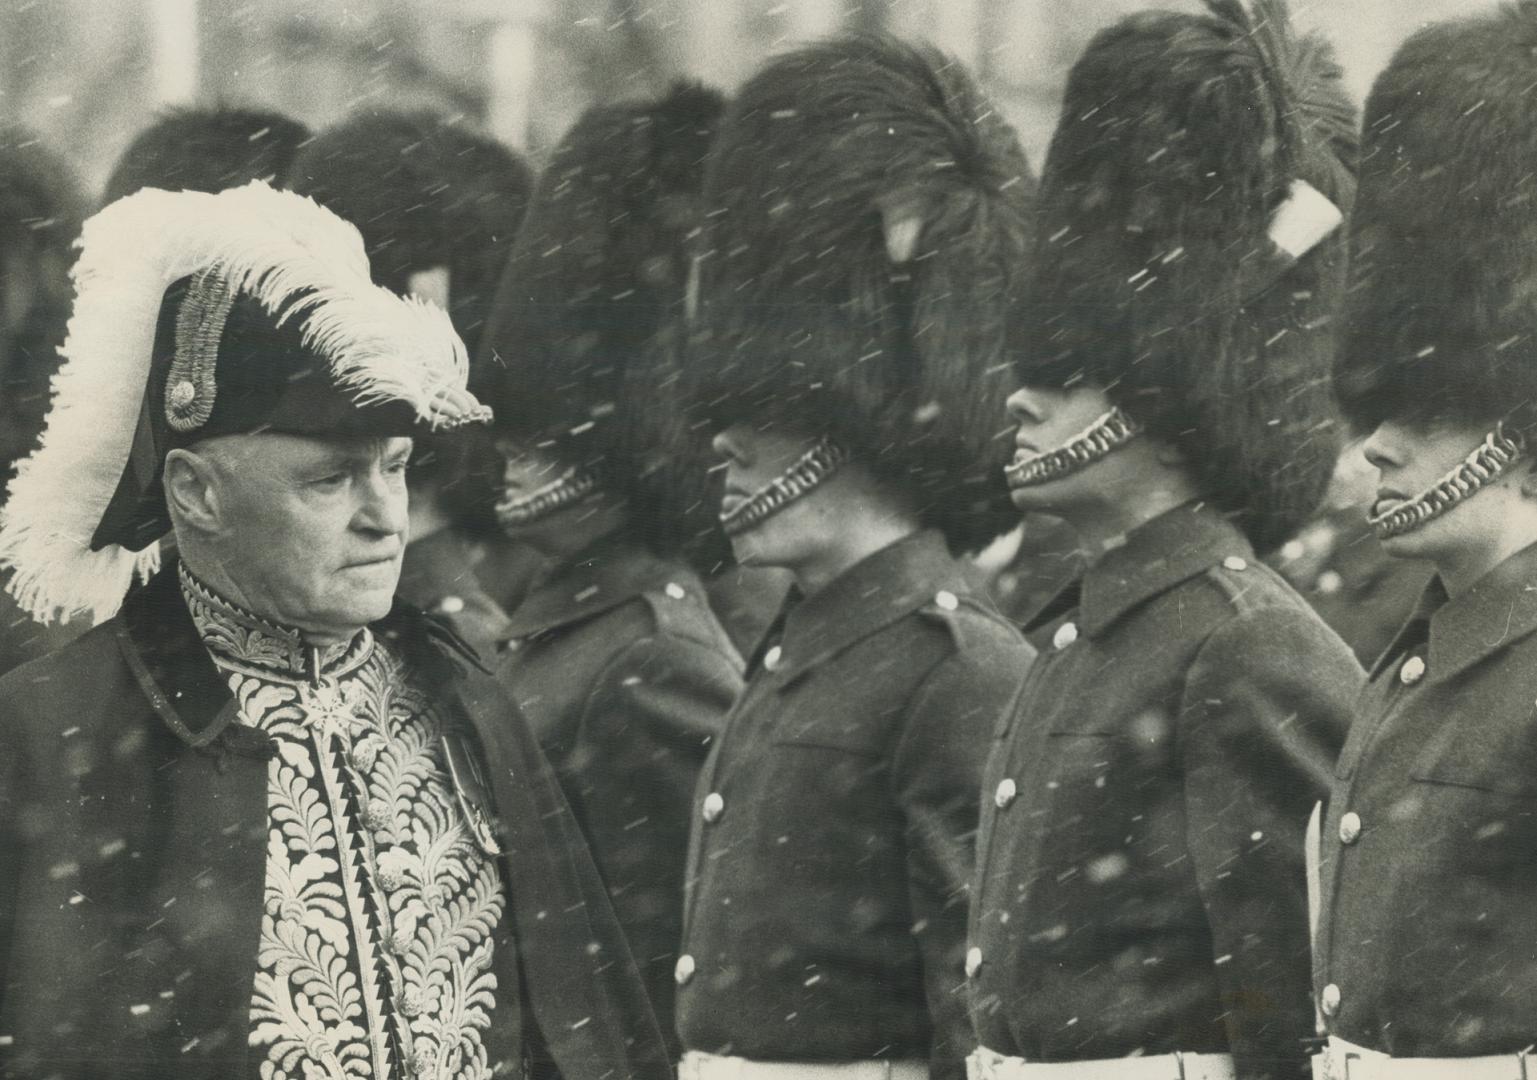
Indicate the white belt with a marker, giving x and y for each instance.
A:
(1343, 1060)
(701, 1066)
(985, 1064)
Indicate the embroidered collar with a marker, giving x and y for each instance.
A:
(1155, 557)
(238, 637)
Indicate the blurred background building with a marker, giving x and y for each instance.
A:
(88, 74)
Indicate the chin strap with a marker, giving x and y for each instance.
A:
(810, 470)
(1113, 430)
(1497, 453)
(571, 486)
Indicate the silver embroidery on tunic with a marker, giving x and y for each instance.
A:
(379, 909)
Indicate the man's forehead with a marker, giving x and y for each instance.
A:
(279, 449)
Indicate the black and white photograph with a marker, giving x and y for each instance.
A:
(768, 539)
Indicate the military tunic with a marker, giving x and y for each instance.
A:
(1140, 884)
(834, 822)
(1427, 940)
(143, 908)
(626, 676)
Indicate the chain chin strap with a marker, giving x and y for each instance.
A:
(1497, 453)
(1113, 430)
(810, 470)
(569, 487)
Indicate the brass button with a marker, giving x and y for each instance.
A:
(973, 962)
(1350, 827)
(451, 605)
(683, 970)
(772, 658)
(1412, 671)
(1066, 634)
(675, 590)
(1007, 790)
(1234, 562)
(714, 806)
(947, 600)
(1329, 1000)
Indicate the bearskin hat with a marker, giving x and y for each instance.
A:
(1442, 314)
(1164, 272)
(190, 149)
(586, 319)
(866, 226)
(426, 193)
(41, 206)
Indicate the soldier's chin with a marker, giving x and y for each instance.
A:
(1030, 498)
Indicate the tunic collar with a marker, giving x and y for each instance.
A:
(1154, 557)
(1499, 609)
(241, 638)
(872, 594)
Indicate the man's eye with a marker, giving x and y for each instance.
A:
(396, 468)
(330, 480)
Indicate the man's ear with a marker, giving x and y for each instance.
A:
(192, 490)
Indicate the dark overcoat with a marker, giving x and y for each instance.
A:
(133, 825)
(833, 837)
(1427, 940)
(1141, 886)
(626, 676)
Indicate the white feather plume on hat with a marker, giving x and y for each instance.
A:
(297, 260)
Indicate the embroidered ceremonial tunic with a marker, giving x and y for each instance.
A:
(379, 906)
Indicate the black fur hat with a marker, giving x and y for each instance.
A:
(41, 206)
(1161, 273)
(586, 319)
(209, 149)
(425, 193)
(867, 224)
(1442, 315)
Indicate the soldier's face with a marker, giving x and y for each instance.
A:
(1045, 418)
(1410, 458)
(311, 531)
(754, 458)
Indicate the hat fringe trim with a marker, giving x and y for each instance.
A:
(299, 261)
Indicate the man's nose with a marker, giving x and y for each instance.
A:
(1381, 448)
(728, 447)
(385, 506)
(1021, 405)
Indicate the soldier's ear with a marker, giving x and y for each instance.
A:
(1529, 481)
(192, 490)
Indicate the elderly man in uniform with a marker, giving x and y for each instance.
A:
(1425, 956)
(615, 655)
(263, 820)
(866, 220)
(1140, 905)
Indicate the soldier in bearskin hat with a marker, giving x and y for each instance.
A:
(207, 149)
(1140, 903)
(438, 205)
(263, 818)
(41, 206)
(1424, 954)
(615, 654)
(866, 220)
